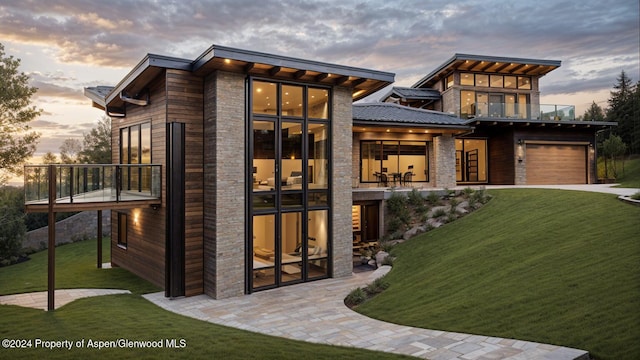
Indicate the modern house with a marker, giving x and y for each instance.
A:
(270, 172)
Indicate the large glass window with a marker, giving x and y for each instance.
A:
(482, 104)
(496, 81)
(471, 160)
(135, 148)
(290, 138)
(394, 159)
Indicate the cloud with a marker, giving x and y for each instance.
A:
(408, 37)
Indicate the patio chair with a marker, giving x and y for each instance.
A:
(407, 178)
(383, 181)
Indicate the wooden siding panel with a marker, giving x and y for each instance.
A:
(144, 254)
(185, 105)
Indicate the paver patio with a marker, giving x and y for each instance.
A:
(315, 312)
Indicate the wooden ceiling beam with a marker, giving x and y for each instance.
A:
(274, 70)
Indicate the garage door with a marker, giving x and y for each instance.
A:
(556, 164)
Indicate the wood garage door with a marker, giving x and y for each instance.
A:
(556, 164)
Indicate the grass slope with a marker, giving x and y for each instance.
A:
(557, 267)
(130, 317)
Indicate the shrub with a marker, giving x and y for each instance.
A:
(480, 196)
(468, 191)
(439, 213)
(636, 196)
(454, 203)
(415, 197)
(394, 224)
(377, 286)
(13, 229)
(433, 198)
(356, 297)
(386, 246)
(398, 212)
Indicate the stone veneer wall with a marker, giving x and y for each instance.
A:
(224, 185)
(341, 135)
(520, 167)
(78, 227)
(445, 161)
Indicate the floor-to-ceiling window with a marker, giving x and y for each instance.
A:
(471, 160)
(135, 148)
(289, 197)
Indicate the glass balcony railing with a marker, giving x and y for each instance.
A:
(90, 183)
(519, 111)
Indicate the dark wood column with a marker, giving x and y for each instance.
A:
(175, 245)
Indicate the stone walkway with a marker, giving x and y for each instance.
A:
(315, 312)
(38, 300)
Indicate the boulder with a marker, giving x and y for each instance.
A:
(434, 223)
(419, 229)
(380, 256)
(463, 208)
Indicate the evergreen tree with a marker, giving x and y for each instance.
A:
(623, 110)
(593, 113)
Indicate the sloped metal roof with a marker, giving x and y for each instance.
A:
(384, 113)
(408, 93)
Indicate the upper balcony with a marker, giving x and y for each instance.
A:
(543, 112)
(81, 187)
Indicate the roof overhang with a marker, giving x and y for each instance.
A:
(364, 82)
(541, 123)
(489, 64)
(131, 89)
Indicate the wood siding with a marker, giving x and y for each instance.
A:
(185, 105)
(176, 96)
(144, 254)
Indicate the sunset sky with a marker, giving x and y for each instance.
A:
(68, 45)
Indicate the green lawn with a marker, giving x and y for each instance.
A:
(129, 317)
(559, 267)
(630, 177)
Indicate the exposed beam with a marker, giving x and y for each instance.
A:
(502, 67)
(249, 66)
(489, 64)
(474, 64)
(518, 67)
(300, 73)
(531, 69)
(357, 82)
(322, 76)
(341, 80)
(274, 70)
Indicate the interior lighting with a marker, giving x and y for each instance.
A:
(227, 61)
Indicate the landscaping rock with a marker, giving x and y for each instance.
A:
(435, 209)
(463, 207)
(414, 231)
(372, 262)
(380, 256)
(434, 223)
